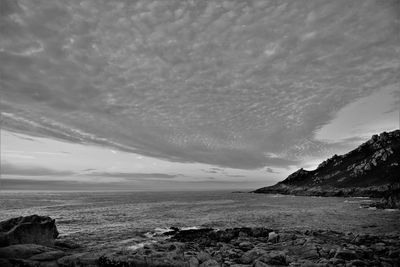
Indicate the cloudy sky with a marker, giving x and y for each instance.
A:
(180, 94)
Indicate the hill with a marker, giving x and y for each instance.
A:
(372, 169)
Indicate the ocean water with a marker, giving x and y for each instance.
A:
(129, 219)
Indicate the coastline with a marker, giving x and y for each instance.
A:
(372, 191)
(131, 229)
(244, 246)
(386, 196)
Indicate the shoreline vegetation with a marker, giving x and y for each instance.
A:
(33, 241)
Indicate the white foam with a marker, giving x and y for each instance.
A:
(140, 245)
(127, 240)
(149, 234)
(190, 228)
(136, 246)
(160, 230)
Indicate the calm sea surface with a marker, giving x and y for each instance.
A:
(115, 219)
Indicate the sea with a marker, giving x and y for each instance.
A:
(116, 219)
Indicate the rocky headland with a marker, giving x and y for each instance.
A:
(371, 170)
(39, 246)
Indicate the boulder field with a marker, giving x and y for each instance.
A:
(205, 247)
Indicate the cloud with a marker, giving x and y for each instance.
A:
(235, 175)
(29, 184)
(270, 170)
(134, 175)
(11, 169)
(213, 170)
(222, 83)
(210, 171)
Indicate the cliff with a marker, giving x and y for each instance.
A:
(372, 169)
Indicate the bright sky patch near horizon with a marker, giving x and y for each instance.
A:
(174, 95)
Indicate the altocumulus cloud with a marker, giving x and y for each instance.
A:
(228, 83)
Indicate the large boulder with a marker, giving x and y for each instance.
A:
(87, 259)
(30, 255)
(392, 199)
(32, 229)
(23, 251)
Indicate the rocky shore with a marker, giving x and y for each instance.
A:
(371, 170)
(240, 247)
(370, 191)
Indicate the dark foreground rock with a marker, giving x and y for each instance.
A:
(31, 241)
(28, 230)
(262, 247)
(239, 247)
(392, 199)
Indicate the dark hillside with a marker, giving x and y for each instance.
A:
(369, 170)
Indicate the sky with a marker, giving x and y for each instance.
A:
(190, 95)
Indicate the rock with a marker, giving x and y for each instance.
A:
(258, 263)
(210, 263)
(357, 263)
(23, 251)
(323, 262)
(67, 244)
(273, 237)
(379, 247)
(346, 255)
(32, 229)
(260, 232)
(394, 253)
(307, 263)
(252, 255)
(80, 259)
(191, 234)
(310, 252)
(389, 262)
(48, 256)
(307, 251)
(193, 262)
(274, 258)
(287, 237)
(245, 246)
(147, 256)
(5, 263)
(392, 199)
(29, 263)
(231, 253)
(239, 247)
(203, 256)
